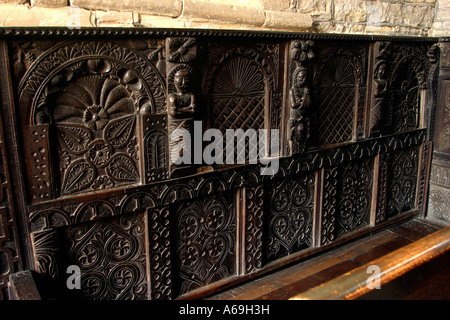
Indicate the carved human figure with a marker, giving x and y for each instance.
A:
(300, 101)
(181, 109)
(380, 90)
(181, 103)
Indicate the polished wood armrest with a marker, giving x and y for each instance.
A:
(354, 283)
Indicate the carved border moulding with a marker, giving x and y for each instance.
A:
(157, 194)
(90, 93)
(329, 206)
(383, 161)
(442, 138)
(424, 169)
(159, 241)
(10, 253)
(290, 214)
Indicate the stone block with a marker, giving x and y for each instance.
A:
(421, 16)
(287, 20)
(350, 10)
(318, 9)
(276, 5)
(113, 19)
(49, 3)
(24, 16)
(171, 8)
(224, 13)
(382, 13)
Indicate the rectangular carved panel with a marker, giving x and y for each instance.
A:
(355, 196)
(111, 254)
(404, 168)
(204, 242)
(290, 214)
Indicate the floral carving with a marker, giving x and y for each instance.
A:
(96, 123)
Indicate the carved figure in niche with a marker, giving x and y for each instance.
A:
(181, 109)
(380, 90)
(300, 102)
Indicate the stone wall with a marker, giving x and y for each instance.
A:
(390, 17)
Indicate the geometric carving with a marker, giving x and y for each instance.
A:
(254, 213)
(355, 196)
(402, 181)
(205, 242)
(338, 99)
(159, 254)
(329, 206)
(238, 98)
(290, 222)
(111, 257)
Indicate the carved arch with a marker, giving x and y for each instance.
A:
(89, 94)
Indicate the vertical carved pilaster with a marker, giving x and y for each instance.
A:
(383, 176)
(181, 103)
(329, 206)
(253, 245)
(159, 254)
(299, 97)
(377, 112)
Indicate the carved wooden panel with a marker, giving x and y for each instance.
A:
(87, 97)
(290, 215)
(111, 255)
(355, 196)
(402, 181)
(88, 118)
(205, 242)
(340, 90)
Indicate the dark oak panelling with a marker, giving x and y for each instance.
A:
(95, 114)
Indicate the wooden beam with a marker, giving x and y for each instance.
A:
(354, 284)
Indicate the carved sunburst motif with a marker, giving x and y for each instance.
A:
(92, 101)
(239, 77)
